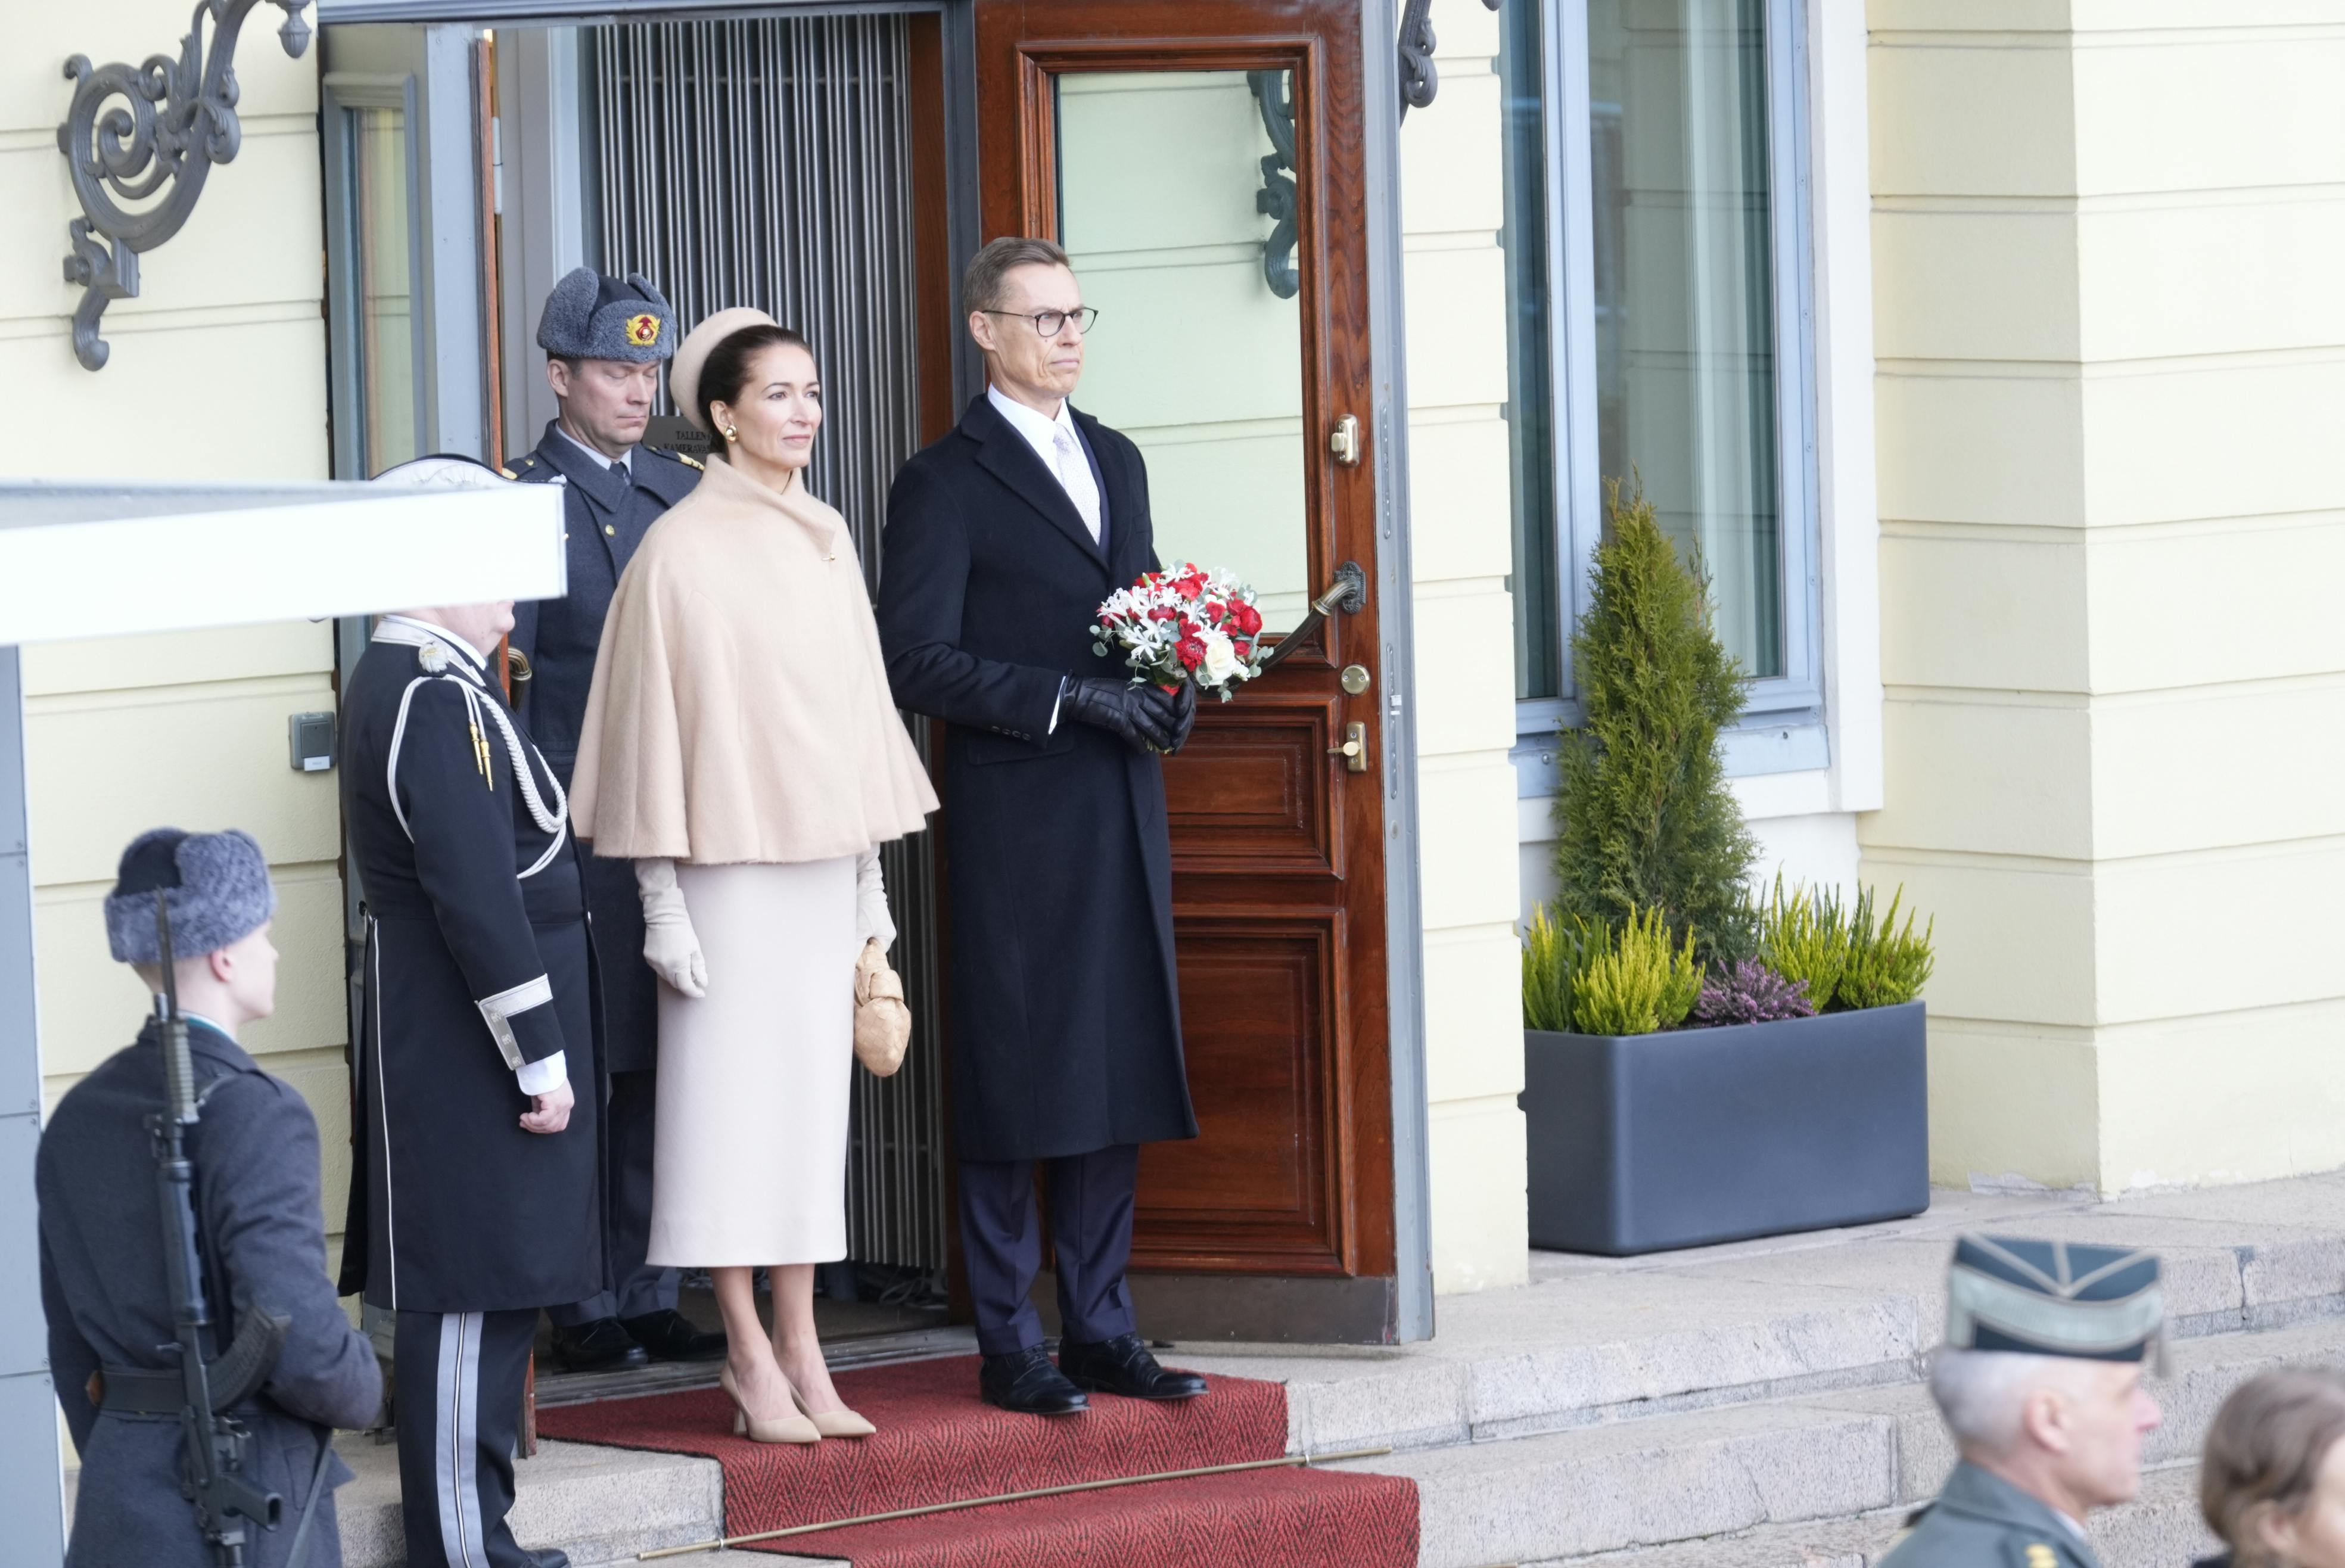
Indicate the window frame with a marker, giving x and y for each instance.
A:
(1782, 727)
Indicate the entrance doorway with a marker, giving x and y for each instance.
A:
(1207, 168)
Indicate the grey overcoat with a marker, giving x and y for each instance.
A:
(107, 1302)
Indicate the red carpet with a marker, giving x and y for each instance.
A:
(938, 1442)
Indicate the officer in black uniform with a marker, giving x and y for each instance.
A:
(604, 341)
(104, 1287)
(476, 1198)
(2040, 1383)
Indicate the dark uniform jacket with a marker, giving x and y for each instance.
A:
(1066, 1031)
(108, 1300)
(607, 516)
(478, 960)
(1980, 1520)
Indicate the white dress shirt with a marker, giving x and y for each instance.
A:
(1061, 450)
(626, 460)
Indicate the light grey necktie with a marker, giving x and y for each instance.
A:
(1075, 475)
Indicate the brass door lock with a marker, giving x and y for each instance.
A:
(1355, 749)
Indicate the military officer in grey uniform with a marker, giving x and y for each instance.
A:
(2040, 1382)
(104, 1285)
(604, 341)
(476, 1195)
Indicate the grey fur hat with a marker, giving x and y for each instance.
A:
(216, 885)
(590, 315)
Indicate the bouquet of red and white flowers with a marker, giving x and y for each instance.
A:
(1184, 623)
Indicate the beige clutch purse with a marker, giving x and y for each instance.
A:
(883, 1024)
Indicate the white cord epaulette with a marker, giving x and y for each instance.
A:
(476, 702)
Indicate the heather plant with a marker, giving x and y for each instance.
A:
(1751, 993)
(1803, 935)
(1645, 819)
(1634, 978)
(1552, 952)
(1886, 964)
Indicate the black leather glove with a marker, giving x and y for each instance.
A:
(1184, 714)
(1142, 714)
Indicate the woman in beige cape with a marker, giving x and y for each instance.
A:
(741, 747)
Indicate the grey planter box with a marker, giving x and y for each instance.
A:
(1644, 1142)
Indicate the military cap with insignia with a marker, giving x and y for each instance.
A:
(591, 316)
(2054, 1299)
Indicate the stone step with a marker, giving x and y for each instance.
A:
(599, 1504)
(1593, 1340)
(1820, 1457)
(2159, 1529)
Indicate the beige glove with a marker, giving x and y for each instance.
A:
(670, 944)
(883, 1024)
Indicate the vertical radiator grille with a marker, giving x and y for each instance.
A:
(767, 162)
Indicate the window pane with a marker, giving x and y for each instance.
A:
(386, 379)
(1685, 291)
(1530, 401)
(1168, 183)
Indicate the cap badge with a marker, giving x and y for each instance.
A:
(642, 330)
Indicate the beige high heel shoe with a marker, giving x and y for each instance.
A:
(789, 1429)
(831, 1423)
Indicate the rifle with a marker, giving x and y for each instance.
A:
(215, 1444)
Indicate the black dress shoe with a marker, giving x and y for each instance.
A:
(669, 1336)
(1123, 1366)
(1025, 1381)
(601, 1346)
(551, 1557)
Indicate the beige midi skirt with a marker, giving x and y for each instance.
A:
(749, 1156)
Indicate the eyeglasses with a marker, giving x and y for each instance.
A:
(1050, 323)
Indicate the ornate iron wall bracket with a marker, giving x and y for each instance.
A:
(1418, 79)
(1273, 93)
(132, 133)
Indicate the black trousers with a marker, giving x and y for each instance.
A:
(638, 1287)
(1090, 1232)
(460, 1387)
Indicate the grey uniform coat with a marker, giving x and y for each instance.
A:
(107, 1300)
(607, 514)
(1980, 1520)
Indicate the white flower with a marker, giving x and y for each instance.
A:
(1221, 658)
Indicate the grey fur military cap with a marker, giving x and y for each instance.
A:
(216, 885)
(590, 315)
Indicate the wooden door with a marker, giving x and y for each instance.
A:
(1203, 163)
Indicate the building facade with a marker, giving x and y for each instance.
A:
(1996, 389)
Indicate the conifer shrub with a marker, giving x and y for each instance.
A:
(1644, 817)
(1886, 965)
(1634, 978)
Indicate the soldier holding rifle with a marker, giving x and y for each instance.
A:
(194, 1341)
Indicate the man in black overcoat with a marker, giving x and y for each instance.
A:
(1001, 541)
(476, 1195)
(604, 341)
(104, 1288)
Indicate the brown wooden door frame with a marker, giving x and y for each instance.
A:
(1281, 855)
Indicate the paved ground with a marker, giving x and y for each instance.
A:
(1756, 1405)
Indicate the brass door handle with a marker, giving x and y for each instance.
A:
(1348, 594)
(1355, 749)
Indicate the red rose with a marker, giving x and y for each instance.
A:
(1248, 618)
(1190, 588)
(1191, 650)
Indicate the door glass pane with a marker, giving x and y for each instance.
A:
(380, 210)
(1172, 188)
(1684, 279)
